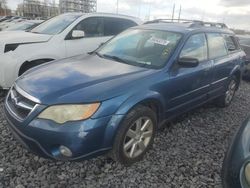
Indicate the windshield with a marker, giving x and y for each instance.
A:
(149, 48)
(55, 25)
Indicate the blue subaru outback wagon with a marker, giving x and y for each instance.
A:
(114, 99)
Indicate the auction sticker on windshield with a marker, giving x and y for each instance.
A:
(159, 41)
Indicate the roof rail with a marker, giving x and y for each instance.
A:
(193, 23)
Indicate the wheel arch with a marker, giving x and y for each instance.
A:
(152, 99)
(33, 63)
(238, 74)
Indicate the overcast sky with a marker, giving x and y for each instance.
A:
(235, 13)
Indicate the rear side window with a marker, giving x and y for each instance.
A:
(231, 43)
(216, 45)
(114, 26)
(195, 47)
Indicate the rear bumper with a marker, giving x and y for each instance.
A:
(85, 139)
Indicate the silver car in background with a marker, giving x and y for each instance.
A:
(244, 41)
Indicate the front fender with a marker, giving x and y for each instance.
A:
(124, 108)
(140, 97)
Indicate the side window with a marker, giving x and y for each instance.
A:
(195, 47)
(216, 45)
(114, 26)
(92, 27)
(231, 44)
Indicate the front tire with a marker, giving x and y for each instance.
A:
(226, 99)
(135, 135)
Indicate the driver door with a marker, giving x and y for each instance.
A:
(189, 85)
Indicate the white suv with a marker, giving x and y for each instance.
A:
(60, 37)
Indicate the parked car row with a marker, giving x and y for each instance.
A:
(106, 83)
(11, 23)
(25, 25)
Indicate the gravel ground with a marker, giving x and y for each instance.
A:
(187, 153)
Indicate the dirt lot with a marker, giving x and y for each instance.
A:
(187, 153)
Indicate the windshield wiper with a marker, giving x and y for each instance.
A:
(116, 58)
(95, 52)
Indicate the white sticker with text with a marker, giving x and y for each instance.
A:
(159, 41)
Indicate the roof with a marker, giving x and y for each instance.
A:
(184, 27)
(105, 14)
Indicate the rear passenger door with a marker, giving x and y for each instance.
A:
(223, 52)
(189, 86)
(114, 26)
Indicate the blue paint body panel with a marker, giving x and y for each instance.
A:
(118, 87)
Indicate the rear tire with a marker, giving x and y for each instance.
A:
(135, 135)
(226, 99)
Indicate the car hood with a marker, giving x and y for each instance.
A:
(79, 79)
(14, 37)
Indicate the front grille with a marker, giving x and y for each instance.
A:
(19, 106)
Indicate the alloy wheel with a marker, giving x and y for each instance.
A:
(138, 137)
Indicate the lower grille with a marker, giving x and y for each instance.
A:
(19, 106)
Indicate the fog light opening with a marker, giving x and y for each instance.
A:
(65, 151)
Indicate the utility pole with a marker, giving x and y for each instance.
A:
(117, 6)
(149, 10)
(4, 6)
(23, 7)
(139, 8)
(173, 12)
(179, 17)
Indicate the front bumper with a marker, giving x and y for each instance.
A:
(9, 67)
(85, 139)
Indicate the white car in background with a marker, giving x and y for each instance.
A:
(10, 22)
(24, 26)
(63, 36)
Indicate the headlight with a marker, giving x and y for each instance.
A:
(64, 113)
(247, 173)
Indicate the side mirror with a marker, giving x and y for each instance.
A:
(188, 62)
(76, 34)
